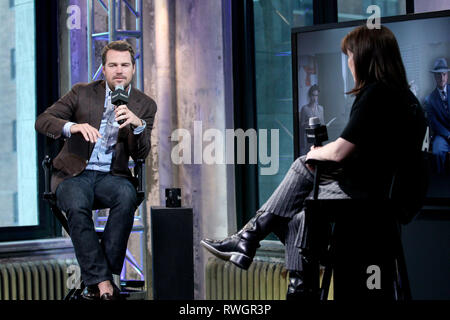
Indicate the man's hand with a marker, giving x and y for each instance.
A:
(89, 133)
(122, 112)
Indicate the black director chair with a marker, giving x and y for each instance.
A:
(50, 197)
(358, 241)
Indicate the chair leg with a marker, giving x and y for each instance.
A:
(61, 217)
(403, 290)
(75, 293)
(69, 295)
(326, 280)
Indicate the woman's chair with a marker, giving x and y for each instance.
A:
(358, 241)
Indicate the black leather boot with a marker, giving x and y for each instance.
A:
(304, 285)
(240, 248)
(299, 287)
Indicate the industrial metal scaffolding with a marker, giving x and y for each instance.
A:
(115, 11)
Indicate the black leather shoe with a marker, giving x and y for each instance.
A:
(91, 293)
(227, 249)
(108, 296)
(240, 248)
(114, 296)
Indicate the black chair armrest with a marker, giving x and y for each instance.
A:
(321, 166)
(49, 196)
(48, 169)
(139, 174)
(47, 166)
(324, 164)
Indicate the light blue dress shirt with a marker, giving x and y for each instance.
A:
(102, 154)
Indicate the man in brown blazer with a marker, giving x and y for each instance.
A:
(93, 164)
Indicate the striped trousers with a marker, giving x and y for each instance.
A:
(287, 202)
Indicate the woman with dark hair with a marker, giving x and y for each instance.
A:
(386, 125)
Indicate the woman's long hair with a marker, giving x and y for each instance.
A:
(376, 57)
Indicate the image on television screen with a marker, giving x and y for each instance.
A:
(324, 78)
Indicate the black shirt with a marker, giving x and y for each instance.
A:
(386, 127)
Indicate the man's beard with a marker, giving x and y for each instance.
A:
(124, 84)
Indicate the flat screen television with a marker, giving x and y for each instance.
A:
(320, 72)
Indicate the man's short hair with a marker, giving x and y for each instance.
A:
(119, 45)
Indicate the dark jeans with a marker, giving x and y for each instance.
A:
(75, 196)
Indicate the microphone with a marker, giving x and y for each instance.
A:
(119, 97)
(316, 133)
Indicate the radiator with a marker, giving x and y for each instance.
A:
(36, 280)
(264, 280)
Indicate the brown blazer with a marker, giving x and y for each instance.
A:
(85, 104)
